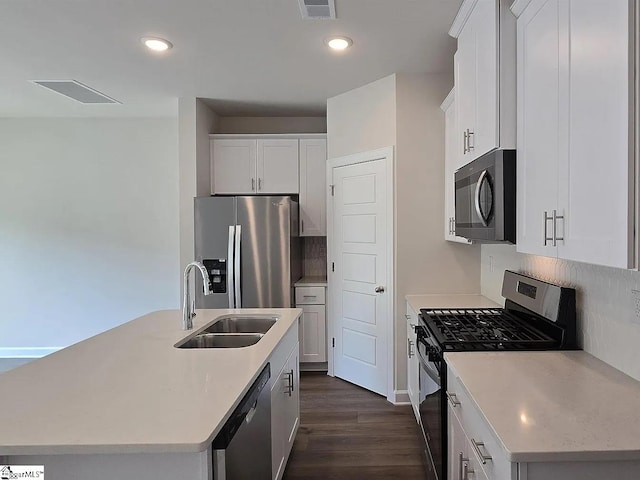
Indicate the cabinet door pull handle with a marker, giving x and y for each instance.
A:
(253, 184)
(309, 296)
(482, 458)
(461, 461)
(453, 399)
(409, 345)
(302, 226)
(466, 471)
(557, 217)
(289, 382)
(407, 316)
(469, 135)
(259, 184)
(464, 142)
(292, 382)
(547, 238)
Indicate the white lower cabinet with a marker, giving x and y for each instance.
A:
(413, 387)
(313, 324)
(285, 402)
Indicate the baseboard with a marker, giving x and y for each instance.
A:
(313, 367)
(27, 352)
(400, 397)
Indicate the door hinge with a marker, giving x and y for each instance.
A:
(333, 267)
(333, 342)
(333, 190)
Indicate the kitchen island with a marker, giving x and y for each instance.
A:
(128, 404)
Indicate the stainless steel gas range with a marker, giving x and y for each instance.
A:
(536, 316)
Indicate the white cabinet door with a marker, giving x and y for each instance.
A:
(413, 375)
(291, 372)
(485, 24)
(574, 154)
(465, 84)
(313, 192)
(451, 159)
(458, 447)
(233, 166)
(285, 412)
(540, 124)
(313, 336)
(277, 425)
(277, 166)
(595, 192)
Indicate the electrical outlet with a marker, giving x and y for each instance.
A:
(491, 268)
(635, 296)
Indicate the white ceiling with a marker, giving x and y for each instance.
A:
(249, 57)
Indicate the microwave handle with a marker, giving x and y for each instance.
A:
(482, 178)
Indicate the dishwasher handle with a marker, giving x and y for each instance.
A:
(244, 412)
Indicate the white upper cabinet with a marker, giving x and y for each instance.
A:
(233, 166)
(484, 70)
(538, 125)
(313, 191)
(452, 157)
(575, 154)
(277, 166)
(244, 165)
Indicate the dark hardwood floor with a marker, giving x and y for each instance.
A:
(347, 432)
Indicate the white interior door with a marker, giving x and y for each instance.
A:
(359, 292)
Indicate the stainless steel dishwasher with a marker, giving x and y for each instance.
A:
(242, 449)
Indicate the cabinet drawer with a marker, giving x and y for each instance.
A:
(482, 441)
(310, 296)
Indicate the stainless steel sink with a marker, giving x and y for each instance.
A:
(254, 324)
(216, 340)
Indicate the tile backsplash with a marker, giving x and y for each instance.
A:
(608, 324)
(315, 256)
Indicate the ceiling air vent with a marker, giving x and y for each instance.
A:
(75, 90)
(318, 9)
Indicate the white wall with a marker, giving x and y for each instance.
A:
(607, 323)
(362, 119)
(195, 121)
(404, 110)
(425, 262)
(88, 227)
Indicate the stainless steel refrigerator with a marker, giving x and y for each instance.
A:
(251, 249)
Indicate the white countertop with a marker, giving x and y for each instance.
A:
(449, 301)
(129, 390)
(553, 406)
(312, 281)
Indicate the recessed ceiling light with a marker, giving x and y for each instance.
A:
(338, 43)
(156, 44)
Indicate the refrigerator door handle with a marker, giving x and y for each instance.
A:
(230, 272)
(236, 267)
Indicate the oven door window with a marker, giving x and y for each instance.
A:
(474, 200)
(431, 413)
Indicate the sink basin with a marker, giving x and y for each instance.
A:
(242, 325)
(214, 340)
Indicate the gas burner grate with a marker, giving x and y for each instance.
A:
(483, 329)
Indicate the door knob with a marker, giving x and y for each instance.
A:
(379, 289)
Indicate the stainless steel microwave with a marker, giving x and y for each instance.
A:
(486, 198)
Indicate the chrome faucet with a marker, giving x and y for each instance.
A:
(188, 308)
